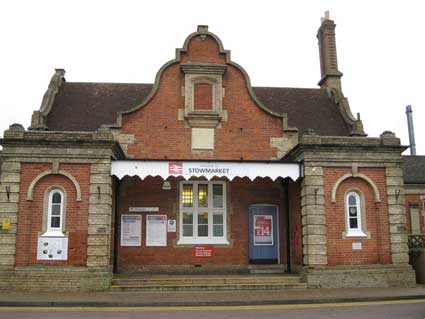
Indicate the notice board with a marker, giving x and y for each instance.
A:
(131, 230)
(156, 230)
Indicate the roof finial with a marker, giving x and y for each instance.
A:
(203, 31)
(326, 17)
(357, 127)
(202, 28)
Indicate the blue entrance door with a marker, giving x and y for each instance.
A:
(263, 234)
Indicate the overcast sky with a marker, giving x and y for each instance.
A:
(380, 46)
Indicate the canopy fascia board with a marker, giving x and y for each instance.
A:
(207, 169)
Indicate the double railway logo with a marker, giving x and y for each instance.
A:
(175, 168)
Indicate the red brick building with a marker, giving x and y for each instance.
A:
(201, 172)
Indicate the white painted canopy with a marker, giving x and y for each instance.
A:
(207, 169)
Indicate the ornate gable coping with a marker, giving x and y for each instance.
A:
(203, 32)
(39, 117)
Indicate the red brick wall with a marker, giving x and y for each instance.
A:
(31, 213)
(202, 96)
(240, 194)
(376, 250)
(416, 199)
(206, 50)
(159, 134)
(295, 210)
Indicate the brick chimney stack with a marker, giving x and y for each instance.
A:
(330, 75)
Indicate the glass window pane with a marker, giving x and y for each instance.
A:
(187, 230)
(353, 223)
(218, 230)
(55, 222)
(203, 195)
(56, 198)
(352, 200)
(218, 218)
(218, 195)
(353, 211)
(202, 230)
(187, 195)
(187, 218)
(56, 209)
(203, 218)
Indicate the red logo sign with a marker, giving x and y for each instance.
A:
(175, 168)
(203, 251)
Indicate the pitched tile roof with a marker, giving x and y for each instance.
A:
(414, 169)
(86, 106)
(306, 109)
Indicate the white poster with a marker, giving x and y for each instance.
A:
(131, 230)
(156, 230)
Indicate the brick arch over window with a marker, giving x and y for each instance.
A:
(356, 175)
(50, 172)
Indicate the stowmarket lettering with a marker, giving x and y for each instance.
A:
(196, 170)
(203, 169)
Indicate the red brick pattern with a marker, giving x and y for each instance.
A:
(240, 194)
(158, 133)
(31, 213)
(375, 250)
(295, 211)
(203, 50)
(203, 96)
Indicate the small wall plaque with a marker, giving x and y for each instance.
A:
(143, 209)
(357, 246)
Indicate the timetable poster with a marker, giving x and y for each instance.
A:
(156, 230)
(131, 230)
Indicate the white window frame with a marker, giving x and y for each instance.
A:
(354, 232)
(55, 231)
(195, 210)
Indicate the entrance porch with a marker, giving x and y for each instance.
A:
(196, 224)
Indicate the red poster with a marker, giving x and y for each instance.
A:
(203, 251)
(263, 230)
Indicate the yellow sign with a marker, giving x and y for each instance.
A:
(5, 224)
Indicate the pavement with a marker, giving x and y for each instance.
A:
(207, 298)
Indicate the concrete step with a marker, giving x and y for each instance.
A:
(266, 269)
(210, 287)
(184, 283)
(204, 280)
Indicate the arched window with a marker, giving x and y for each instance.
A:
(353, 209)
(55, 212)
